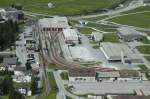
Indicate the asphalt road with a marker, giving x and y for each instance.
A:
(112, 87)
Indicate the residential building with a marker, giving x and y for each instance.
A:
(2, 14)
(11, 14)
(129, 34)
(15, 14)
(10, 61)
(21, 75)
(3, 67)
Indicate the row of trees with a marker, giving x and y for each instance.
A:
(6, 87)
(8, 33)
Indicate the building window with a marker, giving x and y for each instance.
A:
(47, 29)
(44, 29)
(60, 29)
(76, 78)
(53, 29)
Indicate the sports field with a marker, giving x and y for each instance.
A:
(63, 7)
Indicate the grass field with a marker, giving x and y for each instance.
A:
(67, 97)
(54, 89)
(6, 97)
(96, 46)
(111, 37)
(86, 31)
(145, 40)
(144, 68)
(96, 18)
(148, 58)
(63, 7)
(64, 76)
(102, 27)
(139, 9)
(144, 49)
(139, 20)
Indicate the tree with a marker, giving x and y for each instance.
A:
(28, 65)
(7, 84)
(13, 94)
(8, 32)
(34, 85)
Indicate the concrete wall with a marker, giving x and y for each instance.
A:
(82, 79)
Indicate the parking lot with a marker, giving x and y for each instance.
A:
(111, 87)
(23, 53)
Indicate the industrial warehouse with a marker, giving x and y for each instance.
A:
(129, 34)
(119, 52)
(71, 35)
(102, 75)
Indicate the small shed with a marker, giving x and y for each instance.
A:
(96, 36)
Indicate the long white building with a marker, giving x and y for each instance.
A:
(53, 24)
(71, 35)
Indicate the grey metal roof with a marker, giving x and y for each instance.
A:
(10, 61)
(128, 31)
(115, 49)
(129, 73)
(82, 72)
(71, 34)
(54, 22)
(108, 74)
(129, 97)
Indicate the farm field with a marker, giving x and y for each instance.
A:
(62, 7)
